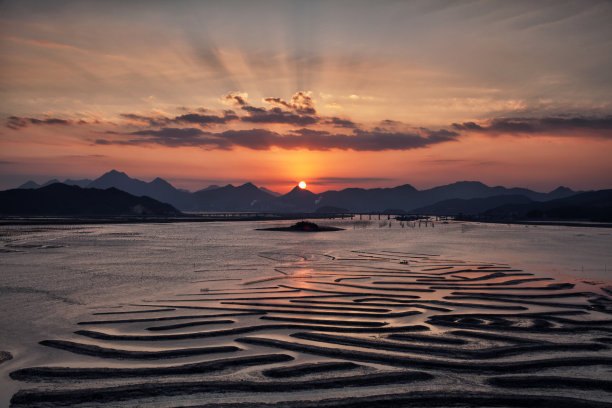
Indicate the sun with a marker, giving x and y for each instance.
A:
(302, 185)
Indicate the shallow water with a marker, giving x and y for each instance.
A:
(53, 277)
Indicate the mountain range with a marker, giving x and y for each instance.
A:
(248, 197)
(63, 200)
(592, 205)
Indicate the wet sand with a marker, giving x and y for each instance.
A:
(369, 329)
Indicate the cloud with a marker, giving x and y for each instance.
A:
(185, 119)
(278, 101)
(345, 180)
(16, 122)
(237, 98)
(170, 137)
(150, 120)
(276, 115)
(263, 139)
(338, 122)
(195, 118)
(562, 126)
(255, 139)
(301, 103)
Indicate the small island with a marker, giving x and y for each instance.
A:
(302, 226)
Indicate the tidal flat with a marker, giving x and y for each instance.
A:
(380, 314)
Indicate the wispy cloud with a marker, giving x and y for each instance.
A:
(46, 44)
(561, 126)
(16, 122)
(346, 180)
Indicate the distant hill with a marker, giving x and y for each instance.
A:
(592, 206)
(211, 187)
(300, 200)
(61, 199)
(375, 199)
(158, 189)
(29, 185)
(248, 197)
(32, 184)
(80, 183)
(408, 198)
(472, 206)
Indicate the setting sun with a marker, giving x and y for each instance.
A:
(302, 185)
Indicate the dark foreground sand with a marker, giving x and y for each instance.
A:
(371, 329)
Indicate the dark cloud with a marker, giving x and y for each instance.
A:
(263, 139)
(186, 119)
(599, 127)
(276, 115)
(151, 120)
(338, 122)
(301, 103)
(256, 139)
(171, 137)
(278, 101)
(195, 118)
(175, 137)
(389, 122)
(236, 99)
(16, 122)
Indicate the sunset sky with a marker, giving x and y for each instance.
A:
(337, 93)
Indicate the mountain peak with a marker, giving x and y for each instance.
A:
(53, 181)
(159, 180)
(562, 189)
(407, 187)
(29, 185)
(115, 173)
(299, 192)
(469, 183)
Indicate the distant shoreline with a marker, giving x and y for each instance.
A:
(67, 220)
(236, 217)
(590, 224)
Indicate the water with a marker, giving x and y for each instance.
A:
(51, 277)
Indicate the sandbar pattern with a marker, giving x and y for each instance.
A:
(359, 329)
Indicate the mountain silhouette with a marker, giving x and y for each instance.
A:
(592, 206)
(471, 206)
(29, 185)
(375, 199)
(61, 199)
(248, 197)
(211, 187)
(32, 184)
(80, 183)
(158, 189)
(298, 199)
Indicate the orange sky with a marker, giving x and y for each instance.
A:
(340, 96)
